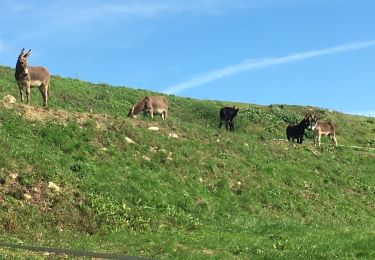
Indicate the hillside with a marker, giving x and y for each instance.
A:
(69, 178)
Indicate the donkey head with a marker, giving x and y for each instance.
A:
(313, 124)
(235, 111)
(131, 112)
(21, 67)
(309, 120)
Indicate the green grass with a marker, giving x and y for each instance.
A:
(208, 193)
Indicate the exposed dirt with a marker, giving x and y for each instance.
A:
(60, 116)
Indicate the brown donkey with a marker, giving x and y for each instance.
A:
(152, 105)
(320, 128)
(32, 77)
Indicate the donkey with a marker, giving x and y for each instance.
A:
(151, 105)
(32, 77)
(326, 128)
(227, 114)
(294, 131)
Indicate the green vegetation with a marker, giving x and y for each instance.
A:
(208, 193)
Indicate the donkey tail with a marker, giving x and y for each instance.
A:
(332, 126)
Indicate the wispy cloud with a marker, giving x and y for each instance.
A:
(152, 8)
(70, 17)
(263, 63)
(84, 12)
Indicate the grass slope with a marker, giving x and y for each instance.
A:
(208, 193)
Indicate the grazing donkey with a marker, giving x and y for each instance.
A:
(152, 105)
(32, 77)
(227, 114)
(320, 128)
(294, 131)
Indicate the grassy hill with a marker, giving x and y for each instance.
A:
(69, 178)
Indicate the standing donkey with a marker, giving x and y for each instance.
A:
(320, 128)
(32, 77)
(227, 114)
(152, 105)
(297, 131)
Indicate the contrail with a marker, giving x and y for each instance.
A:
(262, 63)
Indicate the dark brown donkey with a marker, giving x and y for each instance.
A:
(32, 77)
(294, 131)
(227, 114)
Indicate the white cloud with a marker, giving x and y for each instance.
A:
(160, 7)
(72, 12)
(73, 15)
(69, 17)
(262, 63)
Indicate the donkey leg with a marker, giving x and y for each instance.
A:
(43, 91)
(334, 140)
(20, 86)
(46, 93)
(164, 115)
(232, 126)
(28, 92)
(151, 112)
(220, 124)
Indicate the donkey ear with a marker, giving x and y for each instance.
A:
(27, 54)
(21, 52)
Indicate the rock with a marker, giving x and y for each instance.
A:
(53, 186)
(129, 141)
(13, 176)
(173, 135)
(153, 128)
(27, 196)
(169, 157)
(146, 158)
(9, 99)
(153, 149)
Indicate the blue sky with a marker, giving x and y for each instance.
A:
(304, 52)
